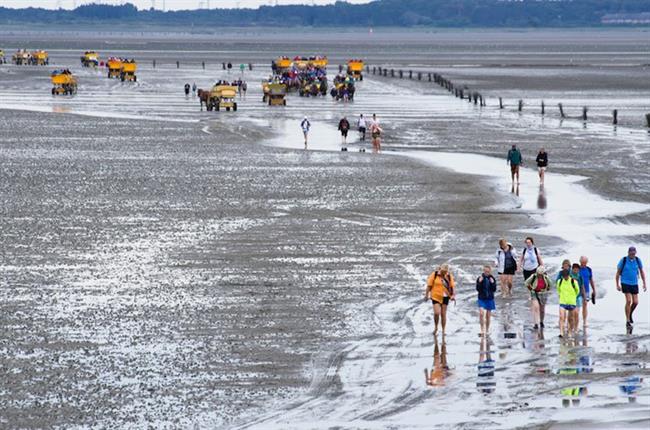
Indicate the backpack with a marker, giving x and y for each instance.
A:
(535, 283)
(509, 261)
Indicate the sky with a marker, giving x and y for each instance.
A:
(169, 4)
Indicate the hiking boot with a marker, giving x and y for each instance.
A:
(535, 327)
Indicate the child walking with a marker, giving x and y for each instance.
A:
(486, 286)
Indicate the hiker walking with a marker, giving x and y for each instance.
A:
(539, 285)
(628, 271)
(568, 290)
(486, 286)
(375, 131)
(589, 286)
(542, 164)
(506, 264)
(344, 127)
(514, 160)
(440, 290)
(361, 126)
(530, 258)
(305, 125)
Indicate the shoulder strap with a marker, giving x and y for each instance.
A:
(536, 253)
(624, 260)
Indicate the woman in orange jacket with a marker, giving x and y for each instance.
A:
(440, 290)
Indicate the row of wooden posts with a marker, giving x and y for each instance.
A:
(224, 66)
(474, 96)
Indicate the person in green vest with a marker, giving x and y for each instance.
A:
(567, 290)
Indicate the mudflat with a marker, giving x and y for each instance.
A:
(164, 266)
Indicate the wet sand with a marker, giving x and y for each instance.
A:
(164, 266)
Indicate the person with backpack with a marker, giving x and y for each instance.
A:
(506, 264)
(567, 290)
(539, 285)
(589, 286)
(581, 298)
(486, 286)
(515, 160)
(440, 290)
(344, 127)
(530, 258)
(542, 164)
(628, 271)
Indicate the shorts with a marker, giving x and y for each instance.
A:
(540, 297)
(362, 130)
(529, 273)
(344, 133)
(630, 289)
(509, 271)
(568, 307)
(579, 301)
(487, 304)
(541, 168)
(514, 168)
(376, 135)
(445, 301)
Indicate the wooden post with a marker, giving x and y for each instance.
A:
(250, 66)
(203, 64)
(401, 74)
(584, 113)
(647, 119)
(500, 103)
(340, 68)
(462, 95)
(561, 110)
(615, 116)
(223, 65)
(520, 106)
(419, 76)
(385, 72)
(154, 64)
(429, 77)
(178, 64)
(374, 69)
(543, 108)
(480, 98)
(410, 74)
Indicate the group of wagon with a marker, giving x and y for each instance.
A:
(23, 57)
(122, 69)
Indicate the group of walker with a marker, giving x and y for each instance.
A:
(363, 127)
(574, 283)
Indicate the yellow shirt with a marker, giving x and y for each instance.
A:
(437, 287)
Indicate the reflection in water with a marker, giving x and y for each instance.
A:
(485, 383)
(515, 189)
(573, 362)
(631, 385)
(541, 198)
(440, 369)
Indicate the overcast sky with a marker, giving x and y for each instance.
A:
(169, 4)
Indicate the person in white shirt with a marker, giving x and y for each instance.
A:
(362, 126)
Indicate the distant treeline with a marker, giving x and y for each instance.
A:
(401, 13)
